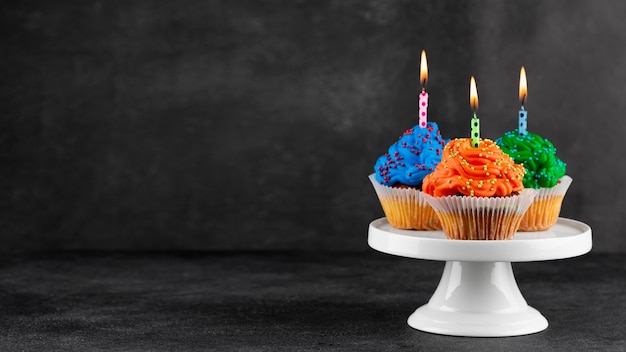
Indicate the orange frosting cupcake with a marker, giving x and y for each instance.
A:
(477, 193)
(481, 172)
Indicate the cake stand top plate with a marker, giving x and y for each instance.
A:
(567, 238)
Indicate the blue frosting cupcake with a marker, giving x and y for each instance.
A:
(398, 175)
(411, 158)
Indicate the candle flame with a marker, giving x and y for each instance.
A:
(423, 69)
(523, 86)
(473, 94)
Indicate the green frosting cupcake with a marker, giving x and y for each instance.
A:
(543, 167)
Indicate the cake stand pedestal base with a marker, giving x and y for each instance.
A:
(478, 299)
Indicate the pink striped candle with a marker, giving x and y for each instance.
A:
(423, 97)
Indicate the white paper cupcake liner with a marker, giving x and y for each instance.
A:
(481, 218)
(544, 211)
(405, 208)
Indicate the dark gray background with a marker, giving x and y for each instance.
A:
(212, 125)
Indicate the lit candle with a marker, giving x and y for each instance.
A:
(523, 94)
(423, 97)
(475, 120)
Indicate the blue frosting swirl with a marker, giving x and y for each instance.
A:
(412, 157)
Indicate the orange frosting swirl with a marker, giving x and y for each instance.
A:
(484, 171)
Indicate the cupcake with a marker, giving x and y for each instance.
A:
(398, 176)
(477, 193)
(545, 172)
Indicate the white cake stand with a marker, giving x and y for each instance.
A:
(477, 294)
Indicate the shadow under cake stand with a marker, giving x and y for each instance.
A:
(477, 294)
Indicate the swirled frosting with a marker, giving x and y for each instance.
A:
(543, 167)
(484, 171)
(412, 157)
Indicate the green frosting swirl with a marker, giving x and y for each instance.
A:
(543, 167)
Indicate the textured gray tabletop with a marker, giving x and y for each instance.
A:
(282, 301)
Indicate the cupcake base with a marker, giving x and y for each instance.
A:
(406, 208)
(542, 214)
(546, 207)
(481, 218)
(484, 226)
(409, 215)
